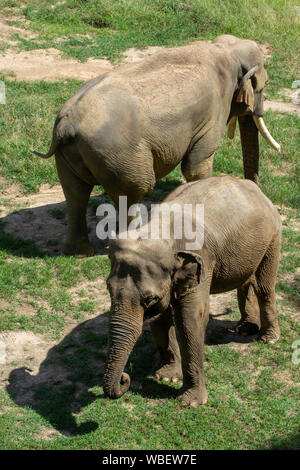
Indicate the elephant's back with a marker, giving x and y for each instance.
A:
(236, 211)
(227, 194)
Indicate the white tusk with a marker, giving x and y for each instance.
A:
(259, 122)
(231, 127)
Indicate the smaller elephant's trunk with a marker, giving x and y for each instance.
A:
(123, 334)
(117, 389)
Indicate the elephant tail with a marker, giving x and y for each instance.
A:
(44, 155)
(51, 151)
(63, 131)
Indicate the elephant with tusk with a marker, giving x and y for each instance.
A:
(152, 279)
(126, 129)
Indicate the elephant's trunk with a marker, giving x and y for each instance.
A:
(124, 329)
(250, 147)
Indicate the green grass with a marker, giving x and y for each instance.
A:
(249, 406)
(84, 29)
(26, 121)
(43, 282)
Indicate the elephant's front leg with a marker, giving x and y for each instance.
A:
(191, 316)
(163, 330)
(77, 193)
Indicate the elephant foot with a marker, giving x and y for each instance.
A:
(193, 397)
(245, 328)
(169, 372)
(80, 250)
(269, 336)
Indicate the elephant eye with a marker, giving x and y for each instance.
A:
(150, 300)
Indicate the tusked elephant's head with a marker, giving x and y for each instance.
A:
(140, 284)
(248, 102)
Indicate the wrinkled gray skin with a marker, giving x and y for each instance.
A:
(150, 278)
(126, 129)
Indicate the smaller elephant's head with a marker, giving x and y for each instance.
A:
(144, 275)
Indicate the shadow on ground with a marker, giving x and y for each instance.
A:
(63, 384)
(292, 442)
(218, 331)
(40, 229)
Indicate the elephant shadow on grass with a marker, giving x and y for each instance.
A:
(70, 376)
(40, 228)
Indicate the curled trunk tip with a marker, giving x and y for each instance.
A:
(118, 392)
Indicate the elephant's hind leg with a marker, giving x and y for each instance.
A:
(77, 193)
(250, 322)
(266, 275)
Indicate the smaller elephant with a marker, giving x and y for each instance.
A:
(163, 279)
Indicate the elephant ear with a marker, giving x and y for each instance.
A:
(245, 91)
(189, 270)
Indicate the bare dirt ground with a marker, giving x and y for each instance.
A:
(282, 107)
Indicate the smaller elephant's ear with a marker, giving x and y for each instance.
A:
(189, 271)
(245, 91)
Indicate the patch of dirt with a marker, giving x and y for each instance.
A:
(282, 107)
(46, 434)
(4, 304)
(41, 218)
(92, 290)
(31, 360)
(49, 65)
(6, 31)
(223, 304)
(22, 349)
(266, 50)
(285, 377)
(8, 189)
